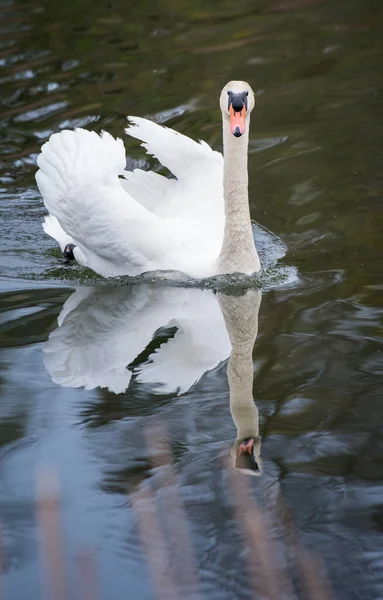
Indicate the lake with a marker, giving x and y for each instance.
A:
(89, 370)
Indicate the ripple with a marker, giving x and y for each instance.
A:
(40, 113)
(270, 248)
(78, 122)
(166, 115)
(261, 144)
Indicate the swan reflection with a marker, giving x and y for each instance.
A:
(105, 336)
(102, 331)
(241, 320)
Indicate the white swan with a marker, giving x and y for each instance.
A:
(118, 222)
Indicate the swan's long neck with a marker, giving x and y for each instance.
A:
(238, 253)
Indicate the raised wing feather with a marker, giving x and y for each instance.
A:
(179, 153)
(148, 188)
(197, 193)
(79, 179)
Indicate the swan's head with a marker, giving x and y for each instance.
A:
(246, 455)
(237, 101)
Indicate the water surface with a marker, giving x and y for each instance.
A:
(315, 182)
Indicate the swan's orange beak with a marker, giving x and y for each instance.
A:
(237, 121)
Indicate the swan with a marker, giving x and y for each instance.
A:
(118, 222)
(103, 330)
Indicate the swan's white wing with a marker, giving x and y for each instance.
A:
(79, 179)
(147, 187)
(197, 193)
(179, 153)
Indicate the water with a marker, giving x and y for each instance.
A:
(315, 182)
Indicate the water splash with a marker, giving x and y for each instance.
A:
(271, 250)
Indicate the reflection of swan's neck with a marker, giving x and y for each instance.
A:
(241, 319)
(238, 253)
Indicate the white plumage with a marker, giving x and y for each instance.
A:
(126, 223)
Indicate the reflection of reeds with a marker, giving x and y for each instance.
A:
(87, 576)
(265, 576)
(164, 534)
(149, 530)
(312, 582)
(52, 551)
(173, 518)
(1, 564)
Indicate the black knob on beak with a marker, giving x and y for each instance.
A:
(237, 101)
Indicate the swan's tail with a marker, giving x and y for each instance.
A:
(53, 228)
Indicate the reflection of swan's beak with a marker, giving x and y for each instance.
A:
(247, 458)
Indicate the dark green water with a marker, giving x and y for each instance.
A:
(315, 181)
